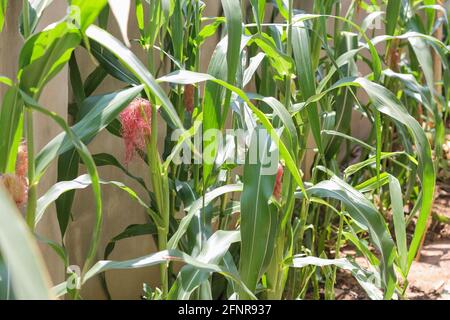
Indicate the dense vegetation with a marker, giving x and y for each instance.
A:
(281, 76)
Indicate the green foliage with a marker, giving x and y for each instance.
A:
(275, 70)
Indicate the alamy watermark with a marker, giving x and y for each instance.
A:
(74, 278)
(232, 147)
(73, 18)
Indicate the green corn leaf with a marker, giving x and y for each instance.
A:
(6, 80)
(80, 182)
(373, 183)
(365, 213)
(252, 67)
(11, 114)
(281, 62)
(190, 278)
(36, 9)
(185, 77)
(431, 14)
(68, 163)
(350, 170)
(86, 12)
(140, 17)
(232, 10)
(151, 260)
(392, 15)
(103, 17)
(423, 54)
(30, 279)
(345, 98)
(194, 211)
(408, 35)
(186, 193)
(214, 116)
(59, 249)
(93, 80)
(76, 82)
(99, 112)
(375, 62)
(399, 222)
(106, 159)
(361, 245)
(280, 110)
(282, 5)
(361, 275)
(91, 168)
(44, 55)
(111, 65)
(306, 78)
(209, 30)
(258, 218)
(3, 5)
(121, 11)
(212, 102)
(138, 69)
(177, 29)
(371, 18)
(233, 15)
(386, 103)
(133, 230)
(350, 138)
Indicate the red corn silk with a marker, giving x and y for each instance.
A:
(189, 93)
(394, 56)
(278, 182)
(136, 126)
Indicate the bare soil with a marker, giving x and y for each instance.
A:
(429, 277)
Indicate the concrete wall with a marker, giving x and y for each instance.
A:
(55, 98)
(119, 210)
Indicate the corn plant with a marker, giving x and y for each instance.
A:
(250, 218)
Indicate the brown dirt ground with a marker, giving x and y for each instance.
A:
(429, 277)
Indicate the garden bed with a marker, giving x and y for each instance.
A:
(429, 277)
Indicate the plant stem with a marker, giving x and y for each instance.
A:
(158, 178)
(277, 271)
(32, 191)
(163, 267)
(338, 247)
(160, 185)
(26, 18)
(196, 167)
(287, 78)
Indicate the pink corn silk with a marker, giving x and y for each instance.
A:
(136, 126)
(278, 182)
(17, 184)
(17, 187)
(22, 160)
